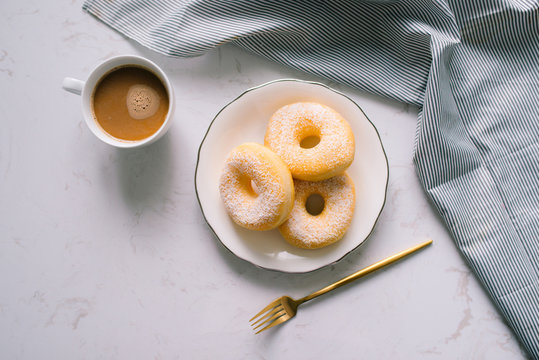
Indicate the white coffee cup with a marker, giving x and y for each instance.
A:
(86, 90)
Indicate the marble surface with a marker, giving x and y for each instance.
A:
(104, 253)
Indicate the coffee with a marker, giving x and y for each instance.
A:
(130, 103)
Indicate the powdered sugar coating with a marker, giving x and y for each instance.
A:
(292, 123)
(315, 231)
(265, 207)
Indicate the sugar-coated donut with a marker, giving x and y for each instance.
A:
(293, 131)
(315, 231)
(256, 187)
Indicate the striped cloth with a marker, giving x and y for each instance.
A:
(471, 66)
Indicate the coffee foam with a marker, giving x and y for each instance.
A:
(142, 101)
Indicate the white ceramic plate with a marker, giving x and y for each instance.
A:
(245, 120)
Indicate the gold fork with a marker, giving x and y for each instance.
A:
(284, 308)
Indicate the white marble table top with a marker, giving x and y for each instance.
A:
(104, 253)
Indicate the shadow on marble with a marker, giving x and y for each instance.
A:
(145, 175)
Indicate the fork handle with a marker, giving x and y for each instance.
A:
(358, 274)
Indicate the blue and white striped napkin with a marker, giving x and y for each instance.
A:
(472, 67)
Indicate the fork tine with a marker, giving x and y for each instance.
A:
(269, 314)
(274, 315)
(271, 305)
(277, 321)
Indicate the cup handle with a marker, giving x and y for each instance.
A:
(73, 85)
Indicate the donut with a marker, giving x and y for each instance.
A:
(314, 141)
(256, 187)
(315, 226)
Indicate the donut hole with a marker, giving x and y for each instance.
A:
(309, 142)
(250, 186)
(315, 204)
(254, 188)
(307, 133)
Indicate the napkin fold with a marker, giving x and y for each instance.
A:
(471, 66)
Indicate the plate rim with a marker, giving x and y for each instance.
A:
(198, 163)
